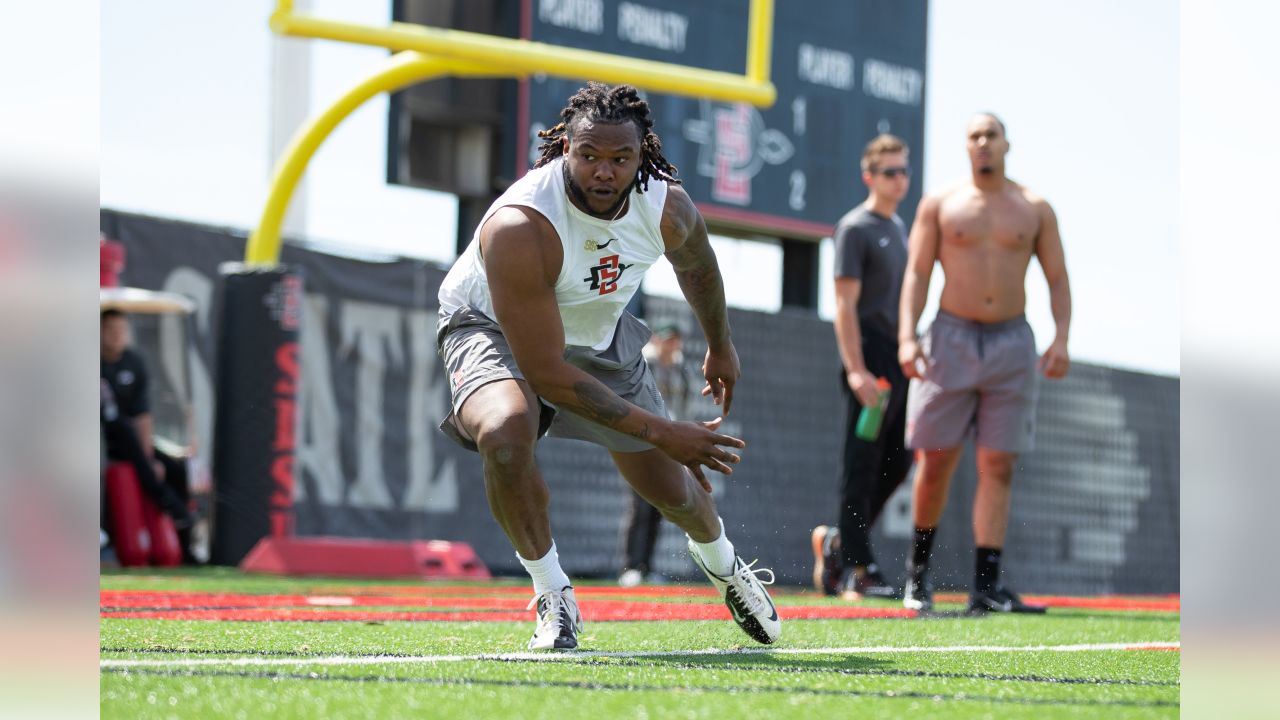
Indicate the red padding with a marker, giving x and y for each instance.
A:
(130, 535)
(350, 557)
(111, 262)
(166, 549)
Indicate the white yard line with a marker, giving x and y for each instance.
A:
(553, 657)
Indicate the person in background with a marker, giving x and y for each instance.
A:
(973, 372)
(870, 258)
(126, 423)
(664, 354)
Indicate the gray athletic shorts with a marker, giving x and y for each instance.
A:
(476, 353)
(981, 379)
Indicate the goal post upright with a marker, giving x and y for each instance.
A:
(428, 52)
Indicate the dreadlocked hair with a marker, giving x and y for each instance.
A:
(600, 103)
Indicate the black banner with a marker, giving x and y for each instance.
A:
(1095, 505)
(255, 431)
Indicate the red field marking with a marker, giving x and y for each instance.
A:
(506, 603)
(287, 614)
(189, 601)
(667, 591)
(595, 612)
(1165, 603)
(1157, 603)
(240, 606)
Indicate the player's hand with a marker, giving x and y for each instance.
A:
(721, 370)
(911, 358)
(863, 385)
(698, 445)
(1055, 362)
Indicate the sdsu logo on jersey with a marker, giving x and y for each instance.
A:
(605, 276)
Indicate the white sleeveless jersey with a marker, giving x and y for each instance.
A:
(604, 261)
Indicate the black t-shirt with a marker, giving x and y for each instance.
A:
(129, 383)
(873, 249)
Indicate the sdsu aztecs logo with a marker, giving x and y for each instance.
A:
(605, 276)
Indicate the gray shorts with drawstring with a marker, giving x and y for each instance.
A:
(980, 381)
(476, 353)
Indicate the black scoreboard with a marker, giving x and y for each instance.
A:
(845, 71)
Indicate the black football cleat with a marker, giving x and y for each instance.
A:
(870, 585)
(918, 594)
(1000, 600)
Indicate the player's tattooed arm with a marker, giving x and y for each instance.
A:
(596, 402)
(694, 261)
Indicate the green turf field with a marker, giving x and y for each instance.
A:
(953, 667)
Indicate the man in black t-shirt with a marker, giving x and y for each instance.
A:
(126, 372)
(126, 421)
(870, 259)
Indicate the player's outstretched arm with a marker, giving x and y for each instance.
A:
(522, 258)
(690, 253)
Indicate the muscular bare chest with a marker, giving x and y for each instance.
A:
(1003, 223)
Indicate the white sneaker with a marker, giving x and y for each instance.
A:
(559, 621)
(748, 601)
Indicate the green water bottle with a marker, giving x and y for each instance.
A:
(869, 420)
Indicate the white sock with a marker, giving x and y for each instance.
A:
(718, 554)
(546, 571)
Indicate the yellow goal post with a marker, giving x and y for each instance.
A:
(425, 52)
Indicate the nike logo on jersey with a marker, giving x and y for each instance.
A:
(593, 245)
(884, 242)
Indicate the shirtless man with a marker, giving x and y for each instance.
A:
(536, 341)
(974, 371)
